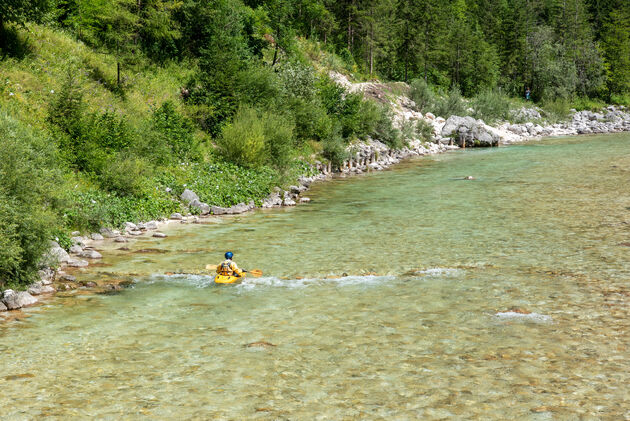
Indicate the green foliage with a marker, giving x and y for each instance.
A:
(221, 184)
(126, 176)
(491, 105)
(384, 129)
(424, 130)
(450, 104)
(335, 150)
(173, 136)
(30, 176)
(242, 142)
(422, 94)
(556, 110)
(91, 209)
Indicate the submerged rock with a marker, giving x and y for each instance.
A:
(159, 235)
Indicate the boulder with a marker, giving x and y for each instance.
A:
(76, 249)
(159, 235)
(3, 307)
(141, 226)
(468, 131)
(14, 300)
(46, 276)
(429, 116)
(288, 202)
(134, 232)
(120, 240)
(304, 199)
(152, 225)
(97, 237)
(188, 196)
(130, 226)
(203, 208)
(79, 240)
(77, 263)
(67, 278)
(242, 207)
(35, 288)
(91, 254)
(56, 254)
(273, 200)
(109, 233)
(297, 189)
(218, 210)
(176, 216)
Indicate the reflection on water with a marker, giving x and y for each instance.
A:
(400, 295)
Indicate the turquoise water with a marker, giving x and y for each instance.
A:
(386, 297)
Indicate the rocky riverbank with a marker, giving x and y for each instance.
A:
(371, 155)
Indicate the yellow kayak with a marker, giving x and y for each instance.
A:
(225, 279)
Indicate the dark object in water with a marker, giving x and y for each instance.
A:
(259, 344)
(19, 376)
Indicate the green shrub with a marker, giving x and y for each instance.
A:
(298, 80)
(385, 130)
(335, 150)
(242, 142)
(491, 105)
(424, 131)
(221, 184)
(311, 120)
(450, 104)
(556, 110)
(422, 94)
(591, 104)
(175, 132)
(126, 175)
(30, 180)
(278, 131)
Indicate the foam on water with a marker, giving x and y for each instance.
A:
(270, 281)
(448, 272)
(532, 317)
(197, 281)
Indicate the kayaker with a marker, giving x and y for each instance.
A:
(228, 267)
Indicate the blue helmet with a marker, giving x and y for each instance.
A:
(229, 255)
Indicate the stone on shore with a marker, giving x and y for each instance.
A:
(134, 232)
(189, 196)
(203, 208)
(120, 240)
(97, 237)
(3, 307)
(56, 254)
(14, 300)
(272, 201)
(176, 216)
(77, 263)
(159, 235)
(90, 254)
(76, 249)
(305, 199)
(130, 226)
(152, 225)
(109, 233)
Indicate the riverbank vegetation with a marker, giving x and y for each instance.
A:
(109, 109)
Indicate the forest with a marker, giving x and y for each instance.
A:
(110, 108)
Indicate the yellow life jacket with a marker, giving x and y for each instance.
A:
(225, 268)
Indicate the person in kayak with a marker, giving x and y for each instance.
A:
(228, 267)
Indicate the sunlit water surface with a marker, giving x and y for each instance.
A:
(411, 332)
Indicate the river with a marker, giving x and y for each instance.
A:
(403, 294)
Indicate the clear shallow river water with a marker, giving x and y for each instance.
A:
(411, 332)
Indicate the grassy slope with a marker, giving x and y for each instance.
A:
(53, 53)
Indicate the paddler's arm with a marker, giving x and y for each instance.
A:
(236, 270)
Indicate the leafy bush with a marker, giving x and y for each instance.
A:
(491, 105)
(556, 110)
(30, 178)
(424, 130)
(242, 142)
(422, 94)
(174, 132)
(92, 209)
(450, 104)
(221, 184)
(278, 132)
(385, 130)
(126, 176)
(335, 150)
